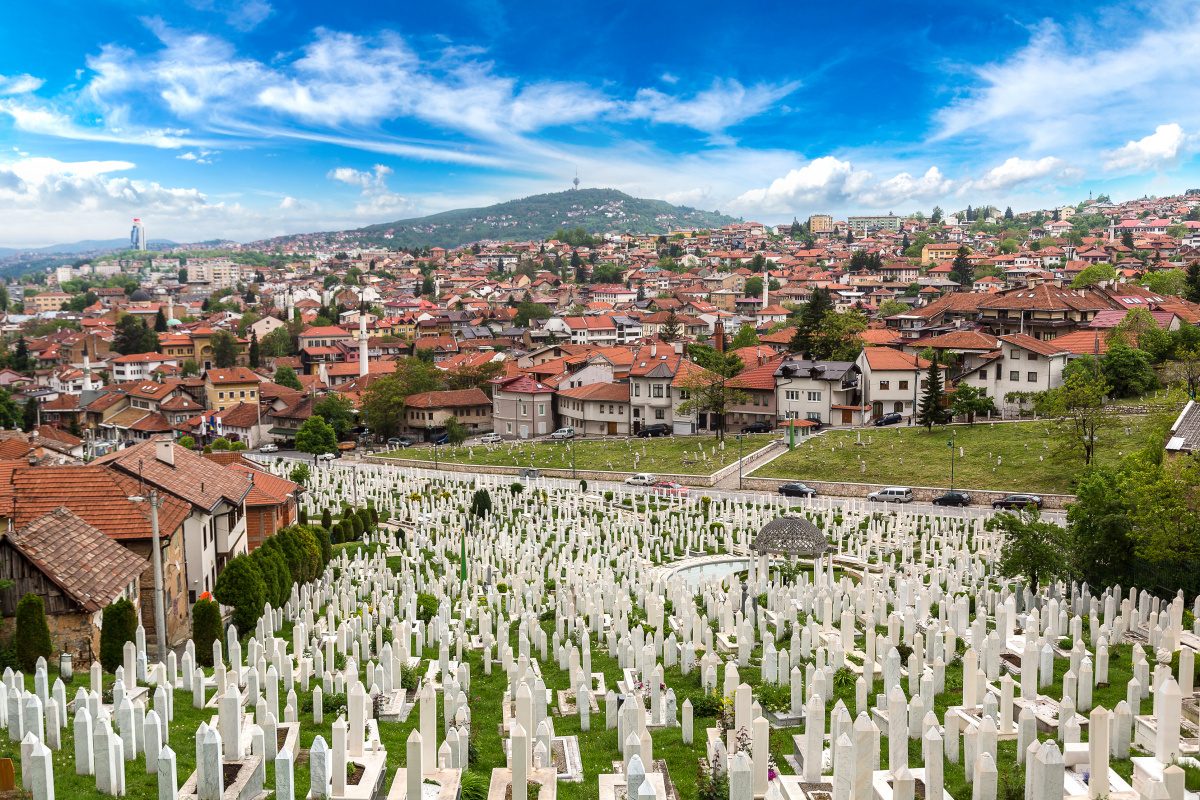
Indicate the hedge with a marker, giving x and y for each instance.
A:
(206, 629)
(33, 634)
(118, 626)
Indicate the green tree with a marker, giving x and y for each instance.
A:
(11, 415)
(254, 350)
(481, 504)
(961, 271)
(1127, 239)
(1103, 551)
(240, 585)
(837, 336)
(30, 415)
(299, 474)
(1192, 290)
(890, 308)
(189, 368)
(930, 411)
(527, 311)
(132, 336)
(32, 637)
(338, 411)
(286, 376)
(1077, 408)
(746, 337)
(970, 402)
(277, 343)
(1129, 372)
(160, 322)
(187, 442)
(753, 287)
(671, 329)
(456, 432)
(225, 349)
(382, 403)
(1166, 281)
(20, 358)
(1094, 275)
(118, 625)
(316, 436)
(1033, 548)
(206, 629)
(812, 314)
(708, 390)
(1008, 245)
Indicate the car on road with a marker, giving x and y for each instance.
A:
(399, 441)
(327, 456)
(758, 427)
(563, 433)
(1018, 501)
(269, 447)
(797, 490)
(670, 488)
(892, 494)
(953, 498)
(642, 479)
(491, 438)
(657, 429)
(895, 418)
(443, 439)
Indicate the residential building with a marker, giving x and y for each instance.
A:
(597, 409)
(757, 383)
(861, 225)
(1019, 368)
(522, 407)
(139, 366)
(820, 223)
(228, 387)
(892, 380)
(426, 413)
(821, 391)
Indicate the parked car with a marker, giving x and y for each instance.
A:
(657, 429)
(642, 479)
(399, 441)
(269, 447)
(797, 490)
(491, 438)
(563, 433)
(960, 499)
(670, 488)
(758, 427)
(327, 456)
(443, 439)
(895, 418)
(1018, 501)
(892, 494)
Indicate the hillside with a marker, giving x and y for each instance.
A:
(537, 217)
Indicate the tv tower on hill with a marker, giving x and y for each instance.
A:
(137, 236)
(576, 181)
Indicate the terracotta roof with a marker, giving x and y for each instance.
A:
(887, 359)
(522, 384)
(1086, 341)
(97, 495)
(761, 377)
(604, 392)
(80, 559)
(454, 398)
(960, 340)
(233, 375)
(243, 415)
(1027, 342)
(192, 477)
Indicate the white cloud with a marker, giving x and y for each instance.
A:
(722, 105)
(1086, 87)
(1015, 171)
(197, 156)
(19, 84)
(376, 198)
(833, 182)
(1162, 148)
(289, 203)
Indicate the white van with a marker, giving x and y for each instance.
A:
(892, 494)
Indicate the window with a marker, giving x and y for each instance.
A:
(885, 385)
(983, 374)
(524, 410)
(657, 390)
(541, 409)
(1031, 357)
(1014, 375)
(903, 385)
(792, 394)
(1015, 355)
(813, 416)
(683, 394)
(220, 395)
(637, 390)
(1032, 377)
(814, 397)
(660, 413)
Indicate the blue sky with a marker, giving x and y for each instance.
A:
(216, 118)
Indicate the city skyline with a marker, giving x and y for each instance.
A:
(249, 120)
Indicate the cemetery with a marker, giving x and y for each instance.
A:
(675, 455)
(1006, 456)
(498, 640)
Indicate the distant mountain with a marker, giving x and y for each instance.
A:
(85, 246)
(536, 217)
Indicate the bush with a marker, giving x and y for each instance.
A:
(325, 543)
(516, 487)
(32, 639)
(241, 586)
(206, 629)
(303, 516)
(772, 697)
(427, 606)
(326, 519)
(474, 786)
(705, 705)
(118, 626)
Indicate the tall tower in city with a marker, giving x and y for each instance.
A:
(137, 236)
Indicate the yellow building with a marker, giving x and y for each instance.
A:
(228, 387)
(820, 223)
(939, 251)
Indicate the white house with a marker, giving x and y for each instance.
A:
(891, 380)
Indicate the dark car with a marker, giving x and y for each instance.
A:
(797, 490)
(1018, 501)
(443, 439)
(960, 499)
(895, 418)
(758, 427)
(657, 429)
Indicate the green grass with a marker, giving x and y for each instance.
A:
(677, 454)
(1011, 456)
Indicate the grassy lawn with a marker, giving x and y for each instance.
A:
(685, 455)
(1010, 456)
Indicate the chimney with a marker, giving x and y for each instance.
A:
(164, 451)
(719, 337)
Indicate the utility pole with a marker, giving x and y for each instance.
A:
(160, 616)
(571, 448)
(739, 441)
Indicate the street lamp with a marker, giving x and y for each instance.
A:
(950, 444)
(571, 450)
(739, 441)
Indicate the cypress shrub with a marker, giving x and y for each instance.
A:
(32, 638)
(326, 519)
(241, 586)
(325, 543)
(118, 626)
(206, 629)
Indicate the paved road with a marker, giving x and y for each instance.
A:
(721, 491)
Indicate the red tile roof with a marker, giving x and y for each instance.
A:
(454, 398)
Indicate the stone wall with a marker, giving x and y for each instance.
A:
(73, 633)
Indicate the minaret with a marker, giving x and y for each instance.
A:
(87, 371)
(362, 343)
(766, 285)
